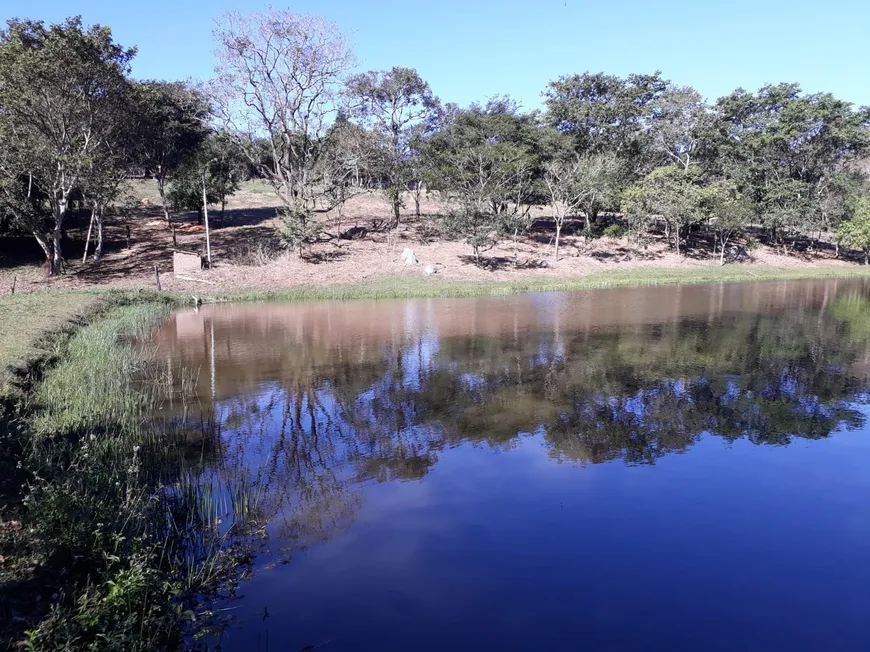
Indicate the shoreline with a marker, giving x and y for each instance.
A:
(415, 287)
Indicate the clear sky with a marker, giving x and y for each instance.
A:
(469, 50)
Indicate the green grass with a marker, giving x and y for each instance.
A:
(27, 322)
(90, 382)
(256, 186)
(434, 286)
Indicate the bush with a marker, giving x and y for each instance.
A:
(297, 228)
(614, 231)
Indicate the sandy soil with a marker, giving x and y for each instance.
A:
(246, 253)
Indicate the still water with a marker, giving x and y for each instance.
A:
(672, 468)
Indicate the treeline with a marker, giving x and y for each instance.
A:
(284, 106)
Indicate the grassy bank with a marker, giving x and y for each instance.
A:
(32, 324)
(435, 286)
(107, 534)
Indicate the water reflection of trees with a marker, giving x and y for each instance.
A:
(642, 393)
(328, 419)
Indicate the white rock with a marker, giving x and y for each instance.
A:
(409, 257)
(430, 269)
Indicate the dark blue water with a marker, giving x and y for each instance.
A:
(658, 469)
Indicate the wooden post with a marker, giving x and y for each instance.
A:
(205, 217)
(14, 281)
(127, 226)
(157, 278)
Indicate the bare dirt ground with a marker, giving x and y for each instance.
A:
(246, 254)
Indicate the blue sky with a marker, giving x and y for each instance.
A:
(469, 50)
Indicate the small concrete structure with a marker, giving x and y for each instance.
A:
(186, 262)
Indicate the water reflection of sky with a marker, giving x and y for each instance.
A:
(553, 485)
(505, 550)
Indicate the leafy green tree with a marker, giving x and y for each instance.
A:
(675, 195)
(676, 128)
(62, 88)
(297, 227)
(103, 182)
(730, 215)
(172, 119)
(855, 232)
(835, 193)
(788, 207)
(604, 113)
(394, 103)
(352, 159)
(184, 191)
(224, 166)
(487, 161)
(784, 149)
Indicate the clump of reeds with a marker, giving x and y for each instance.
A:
(131, 531)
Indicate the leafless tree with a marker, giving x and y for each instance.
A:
(279, 75)
(560, 177)
(576, 183)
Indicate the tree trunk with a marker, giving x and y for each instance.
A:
(396, 201)
(591, 217)
(558, 234)
(677, 239)
(866, 257)
(205, 217)
(56, 255)
(43, 244)
(56, 237)
(722, 252)
(88, 237)
(98, 252)
(161, 188)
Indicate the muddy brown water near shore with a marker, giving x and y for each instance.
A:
(679, 467)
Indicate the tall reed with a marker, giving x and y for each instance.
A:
(131, 530)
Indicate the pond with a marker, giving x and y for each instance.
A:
(682, 467)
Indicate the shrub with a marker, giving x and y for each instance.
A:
(297, 228)
(614, 231)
